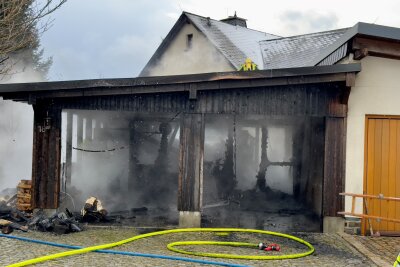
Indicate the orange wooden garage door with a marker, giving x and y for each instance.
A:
(382, 167)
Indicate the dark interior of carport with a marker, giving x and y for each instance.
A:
(262, 149)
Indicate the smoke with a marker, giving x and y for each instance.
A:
(241, 149)
(103, 169)
(16, 129)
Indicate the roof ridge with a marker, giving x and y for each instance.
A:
(307, 34)
(189, 13)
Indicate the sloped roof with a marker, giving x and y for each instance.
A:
(297, 51)
(236, 43)
(270, 51)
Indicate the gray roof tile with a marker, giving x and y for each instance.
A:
(236, 43)
(296, 51)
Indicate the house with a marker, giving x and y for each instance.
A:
(214, 146)
(372, 112)
(203, 45)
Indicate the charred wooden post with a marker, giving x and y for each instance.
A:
(161, 162)
(225, 173)
(46, 156)
(257, 144)
(190, 181)
(261, 181)
(79, 137)
(68, 148)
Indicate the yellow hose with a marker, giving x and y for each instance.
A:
(172, 247)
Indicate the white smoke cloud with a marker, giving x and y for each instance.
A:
(16, 130)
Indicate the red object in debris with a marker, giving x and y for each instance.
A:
(273, 247)
(270, 247)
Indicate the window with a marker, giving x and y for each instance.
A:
(189, 41)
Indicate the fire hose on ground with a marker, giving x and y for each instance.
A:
(173, 247)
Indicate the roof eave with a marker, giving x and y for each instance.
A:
(364, 29)
(25, 92)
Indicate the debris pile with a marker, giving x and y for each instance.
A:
(16, 214)
(8, 227)
(10, 217)
(59, 223)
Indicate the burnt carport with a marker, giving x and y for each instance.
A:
(311, 101)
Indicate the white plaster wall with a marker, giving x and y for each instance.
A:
(201, 58)
(376, 91)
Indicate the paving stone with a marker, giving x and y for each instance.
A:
(331, 249)
(387, 248)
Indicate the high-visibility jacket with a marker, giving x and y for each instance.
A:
(248, 65)
(397, 262)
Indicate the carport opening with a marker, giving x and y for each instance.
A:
(263, 172)
(126, 160)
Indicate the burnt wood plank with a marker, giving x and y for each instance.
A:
(191, 155)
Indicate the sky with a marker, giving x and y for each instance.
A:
(93, 39)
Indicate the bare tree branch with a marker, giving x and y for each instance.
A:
(18, 26)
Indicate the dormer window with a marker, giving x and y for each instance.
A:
(189, 41)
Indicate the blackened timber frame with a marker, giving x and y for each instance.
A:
(319, 92)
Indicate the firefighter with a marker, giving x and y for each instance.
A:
(248, 65)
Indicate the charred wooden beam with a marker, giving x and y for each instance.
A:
(257, 144)
(68, 148)
(79, 136)
(191, 155)
(261, 179)
(178, 83)
(161, 162)
(46, 156)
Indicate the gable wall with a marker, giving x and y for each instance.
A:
(376, 91)
(201, 58)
